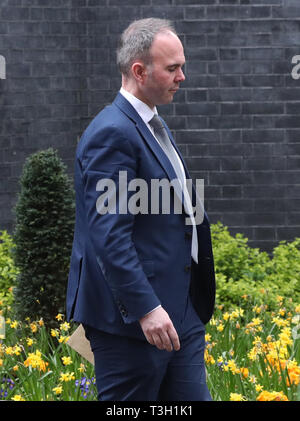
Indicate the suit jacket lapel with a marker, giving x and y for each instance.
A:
(143, 130)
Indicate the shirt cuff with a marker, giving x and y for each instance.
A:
(152, 310)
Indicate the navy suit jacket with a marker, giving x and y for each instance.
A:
(124, 265)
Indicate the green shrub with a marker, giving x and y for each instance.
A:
(43, 236)
(286, 262)
(8, 270)
(243, 270)
(234, 258)
(284, 269)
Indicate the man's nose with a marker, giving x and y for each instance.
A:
(180, 76)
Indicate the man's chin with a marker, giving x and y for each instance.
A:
(167, 99)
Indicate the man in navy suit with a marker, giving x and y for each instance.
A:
(141, 283)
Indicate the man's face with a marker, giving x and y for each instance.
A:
(164, 74)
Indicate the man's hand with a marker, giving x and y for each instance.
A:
(159, 330)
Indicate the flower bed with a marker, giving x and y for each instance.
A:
(252, 354)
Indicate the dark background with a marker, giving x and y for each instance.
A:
(236, 118)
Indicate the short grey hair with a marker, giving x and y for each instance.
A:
(135, 42)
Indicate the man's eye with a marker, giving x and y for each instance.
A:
(172, 69)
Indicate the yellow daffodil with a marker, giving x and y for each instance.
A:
(244, 372)
(258, 387)
(220, 328)
(29, 341)
(281, 311)
(209, 359)
(280, 322)
(226, 316)
(63, 339)
(232, 367)
(14, 324)
(213, 321)
(66, 377)
(237, 397)
(65, 326)
(81, 369)
(17, 350)
(54, 333)
(256, 321)
(66, 360)
(59, 317)
(17, 398)
(9, 350)
(33, 327)
(57, 390)
(252, 354)
(293, 370)
(271, 396)
(285, 336)
(234, 314)
(35, 360)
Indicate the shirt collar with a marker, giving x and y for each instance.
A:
(144, 111)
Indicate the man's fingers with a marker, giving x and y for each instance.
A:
(163, 341)
(174, 339)
(167, 340)
(167, 344)
(157, 341)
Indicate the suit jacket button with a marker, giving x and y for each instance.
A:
(187, 268)
(205, 258)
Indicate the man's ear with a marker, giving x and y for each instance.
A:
(139, 71)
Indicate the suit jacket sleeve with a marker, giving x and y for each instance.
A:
(105, 154)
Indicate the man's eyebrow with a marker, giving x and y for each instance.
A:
(176, 65)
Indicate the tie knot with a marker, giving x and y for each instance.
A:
(156, 123)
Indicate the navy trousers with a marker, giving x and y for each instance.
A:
(129, 369)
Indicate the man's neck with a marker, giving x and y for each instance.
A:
(135, 92)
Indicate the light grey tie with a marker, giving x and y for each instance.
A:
(166, 144)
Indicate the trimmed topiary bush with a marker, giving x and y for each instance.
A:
(43, 237)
